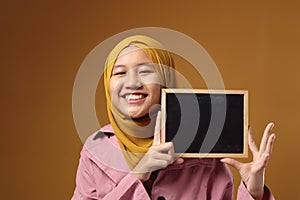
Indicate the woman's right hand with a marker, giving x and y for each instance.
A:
(158, 156)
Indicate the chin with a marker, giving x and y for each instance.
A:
(136, 115)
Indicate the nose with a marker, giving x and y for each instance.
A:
(133, 81)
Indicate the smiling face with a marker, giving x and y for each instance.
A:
(134, 84)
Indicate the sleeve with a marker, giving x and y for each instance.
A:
(129, 187)
(85, 183)
(243, 193)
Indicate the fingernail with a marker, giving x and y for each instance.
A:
(272, 125)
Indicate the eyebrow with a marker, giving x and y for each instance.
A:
(146, 63)
(117, 66)
(140, 64)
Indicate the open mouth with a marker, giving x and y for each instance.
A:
(135, 96)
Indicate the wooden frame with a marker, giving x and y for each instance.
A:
(233, 106)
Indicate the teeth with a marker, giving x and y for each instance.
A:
(133, 96)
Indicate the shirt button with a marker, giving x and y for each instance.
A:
(161, 198)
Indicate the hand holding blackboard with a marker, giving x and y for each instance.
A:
(159, 155)
(206, 123)
(253, 173)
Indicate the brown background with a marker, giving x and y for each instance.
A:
(254, 44)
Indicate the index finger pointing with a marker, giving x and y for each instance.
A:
(156, 139)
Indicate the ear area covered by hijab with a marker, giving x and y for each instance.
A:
(133, 147)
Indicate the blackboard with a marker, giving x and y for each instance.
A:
(206, 123)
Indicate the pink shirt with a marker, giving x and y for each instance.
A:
(103, 174)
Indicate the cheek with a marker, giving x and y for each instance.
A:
(156, 90)
(151, 79)
(113, 88)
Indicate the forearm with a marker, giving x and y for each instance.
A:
(244, 194)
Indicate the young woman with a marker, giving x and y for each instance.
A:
(126, 160)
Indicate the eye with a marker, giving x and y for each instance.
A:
(145, 72)
(118, 73)
(146, 69)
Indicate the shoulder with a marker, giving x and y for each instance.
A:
(98, 142)
(100, 136)
(102, 148)
(104, 131)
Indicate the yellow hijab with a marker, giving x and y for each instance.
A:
(134, 147)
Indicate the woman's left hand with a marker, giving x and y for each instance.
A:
(252, 173)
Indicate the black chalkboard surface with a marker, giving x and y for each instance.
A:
(206, 123)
